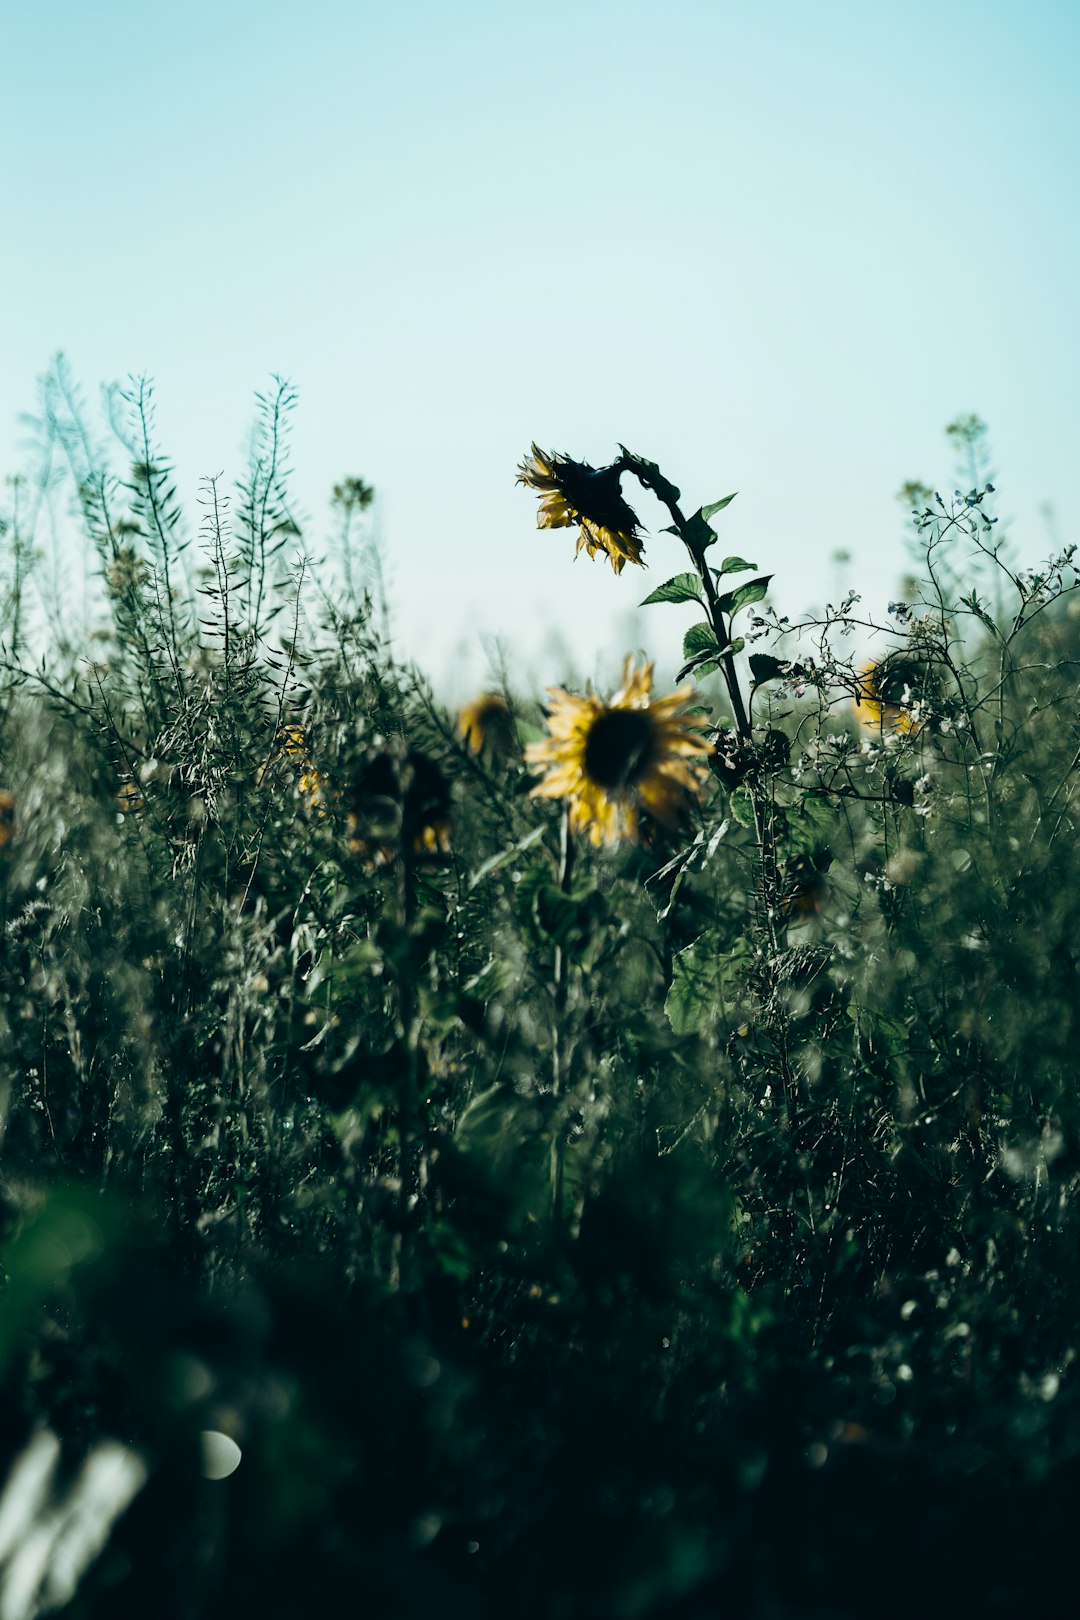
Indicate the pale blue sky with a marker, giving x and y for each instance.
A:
(775, 247)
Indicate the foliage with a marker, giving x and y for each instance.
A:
(621, 1231)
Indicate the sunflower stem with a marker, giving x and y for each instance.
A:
(409, 1025)
(561, 986)
(768, 869)
(668, 495)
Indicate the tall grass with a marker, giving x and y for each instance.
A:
(678, 1226)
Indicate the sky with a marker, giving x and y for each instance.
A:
(774, 247)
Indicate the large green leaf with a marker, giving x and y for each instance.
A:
(700, 638)
(717, 506)
(744, 595)
(681, 588)
(764, 667)
(706, 983)
(696, 531)
(571, 920)
(493, 862)
(575, 922)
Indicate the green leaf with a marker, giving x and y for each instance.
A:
(744, 595)
(734, 565)
(451, 1250)
(571, 920)
(972, 602)
(672, 894)
(811, 826)
(699, 639)
(712, 844)
(443, 1009)
(574, 921)
(764, 667)
(705, 984)
(691, 1001)
(701, 651)
(681, 588)
(503, 1145)
(742, 807)
(717, 506)
(696, 532)
(493, 862)
(701, 665)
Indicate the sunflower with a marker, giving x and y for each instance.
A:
(885, 692)
(575, 494)
(129, 798)
(613, 761)
(7, 817)
(806, 887)
(312, 785)
(486, 725)
(399, 799)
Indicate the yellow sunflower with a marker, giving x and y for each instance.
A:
(885, 690)
(612, 761)
(129, 798)
(313, 786)
(398, 800)
(7, 817)
(589, 498)
(486, 725)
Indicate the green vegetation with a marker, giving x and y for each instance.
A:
(568, 1210)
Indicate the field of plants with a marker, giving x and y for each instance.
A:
(596, 1154)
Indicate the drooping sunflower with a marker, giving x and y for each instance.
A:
(486, 725)
(612, 761)
(589, 498)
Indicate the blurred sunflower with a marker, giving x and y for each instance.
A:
(129, 798)
(7, 817)
(612, 761)
(885, 692)
(589, 498)
(486, 725)
(806, 887)
(312, 785)
(399, 799)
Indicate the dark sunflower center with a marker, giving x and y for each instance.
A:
(619, 748)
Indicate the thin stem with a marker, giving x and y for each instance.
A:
(764, 831)
(409, 1126)
(559, 1065)
(668, 495)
